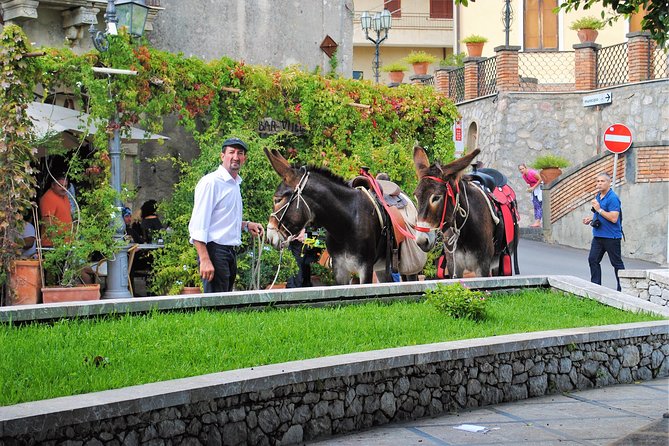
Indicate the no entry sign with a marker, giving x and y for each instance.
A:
(617, 138)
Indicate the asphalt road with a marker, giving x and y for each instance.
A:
(537, 258)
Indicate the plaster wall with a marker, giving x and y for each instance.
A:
(517, 127)
(260, 32)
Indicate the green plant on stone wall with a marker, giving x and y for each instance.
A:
(550, 160)
(588, 22)
(419, 57)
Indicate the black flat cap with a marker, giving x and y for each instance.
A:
(235, 142)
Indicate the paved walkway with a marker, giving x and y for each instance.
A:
(619, 415)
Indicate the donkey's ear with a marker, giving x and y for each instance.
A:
(420, 161)
(281, 166)
(459, 165)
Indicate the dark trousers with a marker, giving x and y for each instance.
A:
(224, 259)
(598, 247)
(304, 257)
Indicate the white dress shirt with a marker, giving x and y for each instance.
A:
(217, 211)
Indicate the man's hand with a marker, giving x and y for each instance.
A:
(206, 270)
(256, 229)
(595, 205)
(587, 220)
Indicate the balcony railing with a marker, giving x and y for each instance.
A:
(416, 21)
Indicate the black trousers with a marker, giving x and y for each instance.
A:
(598, 247)
(224, 259)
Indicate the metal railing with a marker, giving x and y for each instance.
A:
(487, 75)
(546, 70)
(456, 85)
(416, 21)
(612, 67)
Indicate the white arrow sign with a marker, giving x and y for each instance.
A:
(597, 99)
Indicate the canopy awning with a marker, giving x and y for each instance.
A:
(49, 118)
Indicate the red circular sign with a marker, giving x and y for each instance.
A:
(617, 138)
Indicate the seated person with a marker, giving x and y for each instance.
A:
(29, 248)
(132, 228)
(150, 221)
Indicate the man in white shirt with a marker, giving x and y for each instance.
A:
(216, 222)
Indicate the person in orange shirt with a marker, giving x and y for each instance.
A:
(55, 209)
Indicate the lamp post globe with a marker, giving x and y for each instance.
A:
(380, 23)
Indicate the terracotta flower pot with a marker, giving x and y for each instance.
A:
(70, 294)
(475, 49)
(549, 174)
(420, 67)
(25, 281)
(191, 290)
(396, 76)
(587, 35)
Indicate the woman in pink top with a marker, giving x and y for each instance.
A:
(533, 180)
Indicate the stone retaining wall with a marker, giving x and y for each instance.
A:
(650, 285)
(303, 400)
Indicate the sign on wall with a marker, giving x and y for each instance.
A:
(458, 138)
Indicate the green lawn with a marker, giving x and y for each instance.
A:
(41, 361)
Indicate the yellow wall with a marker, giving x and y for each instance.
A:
(485, 18)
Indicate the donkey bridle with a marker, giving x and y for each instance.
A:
(296, 195)
(454, 199)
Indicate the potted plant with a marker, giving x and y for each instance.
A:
(420, 60)
(587, 28)
(474, 44)
(395, 71)
(550, 166)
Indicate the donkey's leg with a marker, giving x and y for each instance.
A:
(342, 275)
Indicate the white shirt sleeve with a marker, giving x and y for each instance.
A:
(200, 220)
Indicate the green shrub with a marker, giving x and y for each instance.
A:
(395, 66)
(550, 160)
(588, 22)
(458, 301)
(474, 38)
(420, 56)
(453, 60)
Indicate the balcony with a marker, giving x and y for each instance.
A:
(416, 21)
(412, 29)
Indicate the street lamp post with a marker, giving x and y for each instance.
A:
(132, 15)
(380, 23)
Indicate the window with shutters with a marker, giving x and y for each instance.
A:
(395, 7)
(540, 25)
(441, 9)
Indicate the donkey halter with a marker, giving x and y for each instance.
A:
(296, 196)
(457, 210)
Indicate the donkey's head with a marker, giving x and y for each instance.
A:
(291, 212)
(436, 195)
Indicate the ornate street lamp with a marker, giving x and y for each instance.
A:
(380, 23)
(131, 14)
(128, 13)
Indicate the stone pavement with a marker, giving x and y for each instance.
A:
(622, 415)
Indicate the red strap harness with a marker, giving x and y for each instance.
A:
(449, 192)
(379, 194)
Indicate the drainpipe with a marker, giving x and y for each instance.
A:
(456, 47)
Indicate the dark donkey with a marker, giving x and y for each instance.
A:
(449, 203)
(312, 196)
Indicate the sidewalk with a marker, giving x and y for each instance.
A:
(621, 415)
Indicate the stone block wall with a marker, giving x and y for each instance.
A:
(650, 285)
(295, 402)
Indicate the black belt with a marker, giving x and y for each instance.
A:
(229, 247)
